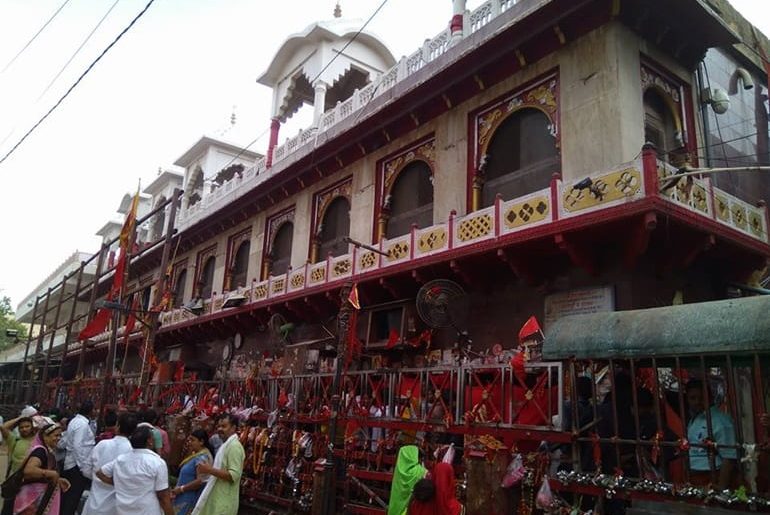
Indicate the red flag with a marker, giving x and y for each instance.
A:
(131, 319)
(530, 329)
(393, 339)
(353, 297)
(97, 325)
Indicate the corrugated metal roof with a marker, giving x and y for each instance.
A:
(734, 325)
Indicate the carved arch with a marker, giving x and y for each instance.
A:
(388, 171)
(541, 94)
(321, 202)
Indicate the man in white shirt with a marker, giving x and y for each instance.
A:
(78, 443)
(101, 500)
(140, 479)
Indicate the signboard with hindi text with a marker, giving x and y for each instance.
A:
(579, 302)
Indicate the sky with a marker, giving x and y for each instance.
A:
(179, 73)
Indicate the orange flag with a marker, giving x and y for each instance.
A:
(99, 323)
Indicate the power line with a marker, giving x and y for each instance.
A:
(74, 85)
(96, 27)
(34, 37)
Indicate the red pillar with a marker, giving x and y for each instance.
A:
(275, 126)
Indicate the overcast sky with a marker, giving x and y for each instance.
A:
(174, 76)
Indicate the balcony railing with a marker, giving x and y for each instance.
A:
(625, 184)
(431, 50)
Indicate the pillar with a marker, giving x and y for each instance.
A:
(456, 25)
(275, 126)
(319, 102)
(267, 265)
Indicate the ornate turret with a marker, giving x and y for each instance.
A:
(304, 69)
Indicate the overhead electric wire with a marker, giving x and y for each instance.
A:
(77, 51)
(337, 54)
(8, 65)
(75, 84)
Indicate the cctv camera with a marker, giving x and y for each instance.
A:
(720, 102)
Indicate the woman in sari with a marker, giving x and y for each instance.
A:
(190, 485)
(41, 492)
(407, 473)
(439, 496)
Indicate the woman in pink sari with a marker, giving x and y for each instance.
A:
(41, 492)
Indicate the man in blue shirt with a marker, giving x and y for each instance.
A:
(722, 435)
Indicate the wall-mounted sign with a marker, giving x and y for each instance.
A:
(579, 302)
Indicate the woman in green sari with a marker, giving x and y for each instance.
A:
(407, 472)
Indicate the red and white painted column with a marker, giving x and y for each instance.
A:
(275, 127)
(456, 25)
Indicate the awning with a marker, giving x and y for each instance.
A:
(734, 325)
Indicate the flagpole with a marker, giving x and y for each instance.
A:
(127, 239)
(160, 290)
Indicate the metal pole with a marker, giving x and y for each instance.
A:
(161, 285)
(55, 327)
(91, 302)
(73, 311)
(39, 343)
(343, 326)
(109, 366)
(17, 395)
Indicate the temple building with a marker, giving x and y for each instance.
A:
(524, 161)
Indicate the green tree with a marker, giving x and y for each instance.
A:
(8, 324)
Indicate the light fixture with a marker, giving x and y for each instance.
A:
(234, 300)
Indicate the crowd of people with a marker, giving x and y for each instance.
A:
(60, 465)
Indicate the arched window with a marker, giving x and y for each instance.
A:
(240, 266)
(206, 279)
(411, 200)
(659, 124)
(179, 286)
(280, 253)
(521, 156)
(159, 220)
(334, 228)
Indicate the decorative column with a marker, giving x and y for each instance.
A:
(478, 182)
(456, 25)
(382, 224)
(275, 126)
(267, 265)
(319, 102)
(315, 247)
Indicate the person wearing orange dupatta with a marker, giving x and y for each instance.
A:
(444, 500)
